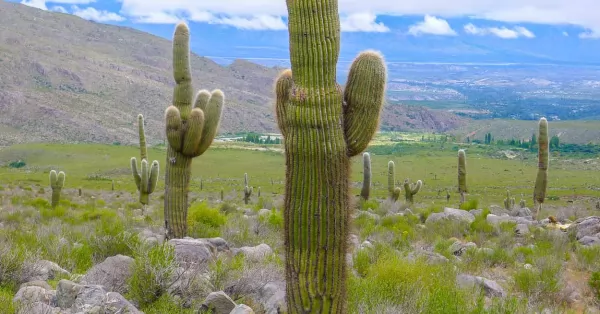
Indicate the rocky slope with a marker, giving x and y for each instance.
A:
(63, 78)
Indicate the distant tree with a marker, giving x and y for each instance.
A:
(554, 142)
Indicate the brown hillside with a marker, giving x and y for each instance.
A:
(63, 78)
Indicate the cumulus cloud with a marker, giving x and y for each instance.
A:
(93, 14)
(432, 25)
(58, 8)
(502, 32)
(583, 13)
(590, 34)
(41, 4)
(362, 22)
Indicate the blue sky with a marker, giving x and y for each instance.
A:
(408, 30)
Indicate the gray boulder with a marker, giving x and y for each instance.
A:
(490, 287)
(113, 274)
(219, 302)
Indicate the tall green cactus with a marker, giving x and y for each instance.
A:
(462, 174)
(393, 191)
(247, 190)
(57, 182)
(190, 131)
(541, 181)
(147, 179)
(323, 126)
(366, 187)
(410, 189)
(509, 202)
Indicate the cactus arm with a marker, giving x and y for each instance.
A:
(142, 134)
(193, 134)
(212, 111)
(153, 179)
(174, 127)
(136, 175)
(364, 96)
(283, 88)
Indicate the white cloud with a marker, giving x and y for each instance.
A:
(41, 4)
(583, 13)
(93, 14)
(590, 34)
(362, 22)
(432, 25)
(502, 32)
(565, 34)
(58, 8)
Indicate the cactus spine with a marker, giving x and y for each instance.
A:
(366, 188)
(323, 126)
(393, 191)
(247, 190)
(509, 202)
(147, 178)
(57, 182)
(190, 131)
(462, 174)
(541, 181)
(410, 189)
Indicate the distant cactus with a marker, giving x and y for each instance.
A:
(247, 190)
(541, 181)
(462, 174)
(190, 132)
(522, 204)
(393, 191)
(147, 178)
(509, 202)
(366, 187)
(57, 182)
(222, 195)
(410, 189)
(323, 127)
(258, 192)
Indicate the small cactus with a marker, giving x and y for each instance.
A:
(462, 174)
(247, 190)
(541, 181)
(366, 187)
(222, 195)
(509, 202)
(147, 179)
(258, 192)
(57, 182)
(394, 192)
(522, 203)
(410, 189)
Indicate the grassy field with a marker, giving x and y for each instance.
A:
(94, 167)
(572, 131)
(538, 271)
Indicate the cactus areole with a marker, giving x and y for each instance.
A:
(191, 126)
(323, 127)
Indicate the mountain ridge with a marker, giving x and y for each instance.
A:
(66, 79)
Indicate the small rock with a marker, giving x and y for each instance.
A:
(272, 297)
(44, 270)
(254, 253)
(219, 303)
(36, 283)
(242, 309)
(112, 273)
(264, 212)
(451, 214)
(66, 293)
(32, 294)
(366, 245)
(490, 287)
(430, 257)
(190, 251)
(521, 229)
(38, 308)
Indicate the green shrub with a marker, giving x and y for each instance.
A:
(205, 222)
(470, 204)
(594, 283)
(151, 270)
